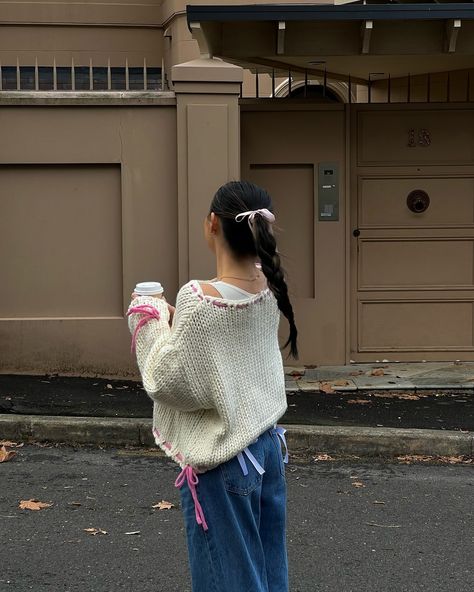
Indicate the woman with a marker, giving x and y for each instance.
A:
(217, 381)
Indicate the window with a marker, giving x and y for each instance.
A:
(100, 78)
(316, 92)
(64, 78)
(8, 77)
(154, 78)
(45, 78)
(118, 78)
(27, 78)
(80, 76)
(135, 78)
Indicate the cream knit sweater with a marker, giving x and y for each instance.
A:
(215, 376)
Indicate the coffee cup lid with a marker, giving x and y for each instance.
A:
(145, 288)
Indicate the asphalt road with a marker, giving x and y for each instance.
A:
(353, 527)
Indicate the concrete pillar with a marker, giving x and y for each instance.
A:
(207, 93)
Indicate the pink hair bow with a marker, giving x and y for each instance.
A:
(250, 215)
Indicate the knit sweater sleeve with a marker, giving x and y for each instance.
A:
(159, 349)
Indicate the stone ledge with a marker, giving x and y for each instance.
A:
(88, 98)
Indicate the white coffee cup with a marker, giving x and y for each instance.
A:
(149, 289)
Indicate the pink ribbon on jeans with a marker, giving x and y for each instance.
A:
(149, 313)
(189, 474)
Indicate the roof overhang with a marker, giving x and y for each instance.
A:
(356, 40)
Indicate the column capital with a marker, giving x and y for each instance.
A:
(195, 75)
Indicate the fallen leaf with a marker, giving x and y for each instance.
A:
(358, 484)
(94, 531)
(163, 505)
(408, 397)
(75, 504)
(357, 373)
(378, 502)
(340, 382)
(6, 454)
(109, 386)
(10, 444)
(33, 504)
(377, 372)
(358, 401)
(133, 532)
(323, 457)
(326, 387)
(296, 373)
(457, 459)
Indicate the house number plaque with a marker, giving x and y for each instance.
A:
(419, 137)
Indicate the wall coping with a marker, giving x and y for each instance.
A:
(204, 70)
(88, 98)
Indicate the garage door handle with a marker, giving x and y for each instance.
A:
(356, 232)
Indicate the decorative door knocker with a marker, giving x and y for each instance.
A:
(418, 201)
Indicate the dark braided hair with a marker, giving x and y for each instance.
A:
(240, 196)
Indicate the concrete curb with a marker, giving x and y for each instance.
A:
(386, 442)
(358, 441)
(109, 431)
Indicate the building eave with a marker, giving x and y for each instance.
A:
(345, 12)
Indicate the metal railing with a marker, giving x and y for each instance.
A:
(379, 88)
(77, 77)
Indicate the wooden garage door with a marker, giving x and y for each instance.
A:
(413, 271)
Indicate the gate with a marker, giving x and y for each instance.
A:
(412, 232)
(393, 276)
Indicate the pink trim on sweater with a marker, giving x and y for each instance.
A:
(189, 474)
(220, 304)
(178, 457)
(149, 312)
(231, 304)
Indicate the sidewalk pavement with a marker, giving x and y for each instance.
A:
(377, 409)
(384, 375)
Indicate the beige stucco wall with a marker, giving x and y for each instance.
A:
(46, 43)
(89, 207)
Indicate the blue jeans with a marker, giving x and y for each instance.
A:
(244, 548)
